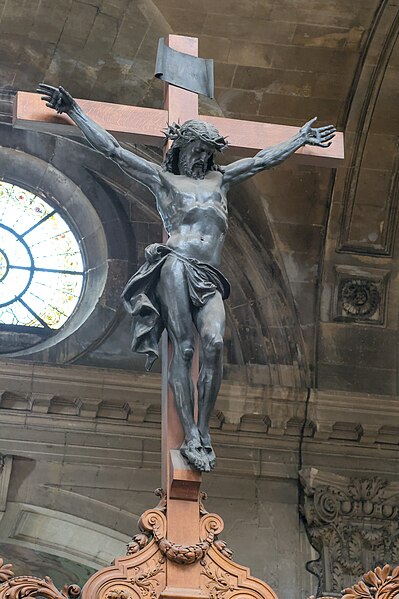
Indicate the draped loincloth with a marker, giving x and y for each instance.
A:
(140, 299)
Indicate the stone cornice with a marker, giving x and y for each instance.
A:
(94, 415)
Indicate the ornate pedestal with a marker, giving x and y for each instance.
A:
(158, 567)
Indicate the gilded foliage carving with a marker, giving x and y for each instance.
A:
(381, 583)
(30, 587)
(5, 571)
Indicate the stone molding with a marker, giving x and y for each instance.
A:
(5, 475)
(353, 523)
(82, 394)
(47, 530)
(63, 412)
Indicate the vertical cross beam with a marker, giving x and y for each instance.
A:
(180, 481)
(181, 105)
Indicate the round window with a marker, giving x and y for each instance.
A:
(41, 266)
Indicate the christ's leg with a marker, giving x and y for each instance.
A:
(175, 304)
(210, 322)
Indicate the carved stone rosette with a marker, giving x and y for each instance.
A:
(360, 298)
(352, 523)
(142, 573)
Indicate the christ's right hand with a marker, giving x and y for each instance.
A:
(140, 169)
(56, 97)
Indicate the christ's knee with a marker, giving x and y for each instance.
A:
(180, 365)
(186, 350)
(212, 346)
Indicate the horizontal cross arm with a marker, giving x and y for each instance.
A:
(144, 125)
(130, 123)
(249, 137)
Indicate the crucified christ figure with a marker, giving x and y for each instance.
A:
(179, 284)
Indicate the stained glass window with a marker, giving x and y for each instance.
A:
(41, 267)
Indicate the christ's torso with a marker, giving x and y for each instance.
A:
(194, 212)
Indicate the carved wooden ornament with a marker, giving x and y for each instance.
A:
(30, 587)
(142, 573)
(381, 583)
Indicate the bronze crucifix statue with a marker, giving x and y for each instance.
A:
(179, 284)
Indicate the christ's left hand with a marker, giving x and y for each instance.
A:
(320, 136)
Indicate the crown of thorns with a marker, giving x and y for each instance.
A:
(193, 130)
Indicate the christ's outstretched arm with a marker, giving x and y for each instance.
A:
(268, 158)
(138, 168)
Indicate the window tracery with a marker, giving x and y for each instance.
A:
(41, 266)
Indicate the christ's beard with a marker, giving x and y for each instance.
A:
(198, 170)
(195, 171)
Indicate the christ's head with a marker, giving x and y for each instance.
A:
(193, 148)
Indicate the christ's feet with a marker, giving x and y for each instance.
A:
(210, 455)
(208, 449)
(195, 454)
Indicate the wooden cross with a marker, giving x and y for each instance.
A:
(144, 125)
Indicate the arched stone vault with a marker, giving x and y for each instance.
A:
(361, 244)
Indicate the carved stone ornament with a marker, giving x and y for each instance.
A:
(359, 297)
(28, 587)
(353, 524)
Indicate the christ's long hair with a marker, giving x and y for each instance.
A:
(192, 131)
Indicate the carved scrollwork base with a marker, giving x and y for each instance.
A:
(142, 574)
